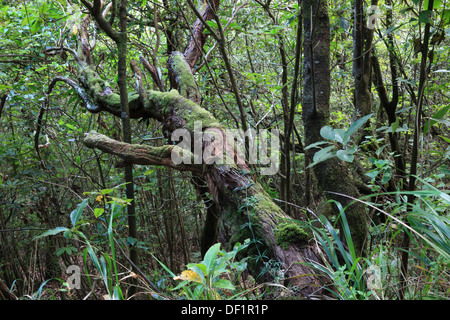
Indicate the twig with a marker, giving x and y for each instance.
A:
(136, 268)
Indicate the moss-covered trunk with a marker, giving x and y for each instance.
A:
(332, 175)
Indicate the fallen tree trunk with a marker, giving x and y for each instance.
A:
(247, 212)
(242, 209)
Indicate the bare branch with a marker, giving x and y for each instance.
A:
(139, 83)
(198, 38)
(51, 51)
(153, 72)
(81, 93)
(104, 24)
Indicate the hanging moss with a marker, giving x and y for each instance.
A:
(288, 233)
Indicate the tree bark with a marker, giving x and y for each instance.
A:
(332, 175)
(192, 51)
(362, 51)
(242, 202)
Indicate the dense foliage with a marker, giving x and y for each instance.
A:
(62, 204)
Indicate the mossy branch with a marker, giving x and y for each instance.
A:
(137, 153)
(181, 78)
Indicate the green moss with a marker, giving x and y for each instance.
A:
(264, 201)
(240, 236)
(112, 100)
(290, 233)
(160, 104)
(192, 112)
(185, 79)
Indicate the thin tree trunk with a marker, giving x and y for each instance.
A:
(126, 127)
(362, 51)
(121, 102)
(415, 151)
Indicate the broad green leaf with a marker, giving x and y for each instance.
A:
(98, 212)
(200, 268)
(119, 201)
(149, 172)
(131, 241)
(324, 154)
(212, 24)
(425, 16)
(386, 176)
(52, 232)
(316, 144)
(68, 234)
(446, 21)
(76, 214)
(394, 126)
(327, 133)
(445, 197)
(434, 118)
(60, 251)
(43, 8)
(372, 174)
(36, 26)
(345, 155)
(224, 284)
(443, 121)
(210, 256)
(71, 127)
(339, 135)
(106, 191)
(355, 126)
